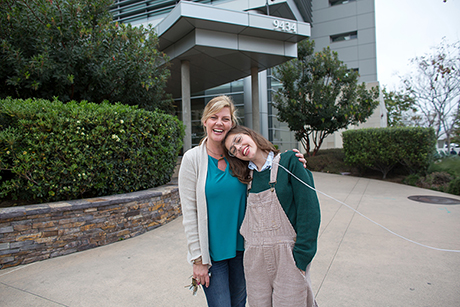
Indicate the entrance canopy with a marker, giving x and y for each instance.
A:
(223, 45)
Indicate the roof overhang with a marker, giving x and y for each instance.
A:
(222, 45)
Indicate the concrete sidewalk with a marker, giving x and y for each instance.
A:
(358, 262)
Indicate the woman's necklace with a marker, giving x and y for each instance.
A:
(219, 155)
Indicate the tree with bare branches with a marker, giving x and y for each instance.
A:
(435, 87)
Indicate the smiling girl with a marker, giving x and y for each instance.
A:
(280, 227)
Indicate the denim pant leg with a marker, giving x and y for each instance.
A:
(227, 287)
(237, 281)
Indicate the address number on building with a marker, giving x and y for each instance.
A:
(285, 26)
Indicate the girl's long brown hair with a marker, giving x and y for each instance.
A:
(239, 167)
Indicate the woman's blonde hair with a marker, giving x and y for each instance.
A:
(215, 106)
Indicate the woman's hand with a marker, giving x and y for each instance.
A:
(201, 275)
(301, 157)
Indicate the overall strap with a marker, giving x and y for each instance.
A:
(250, 182)
(274, 171)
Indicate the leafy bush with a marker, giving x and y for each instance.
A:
(449, 164)
(52, 151)
(372, 148)
(454, 186)
(417, 148)
(328, 160)
(412, 179)
(436, 181)
(383, 148)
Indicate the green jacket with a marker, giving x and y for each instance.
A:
(300, 203)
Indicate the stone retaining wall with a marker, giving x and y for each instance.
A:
(37, 232)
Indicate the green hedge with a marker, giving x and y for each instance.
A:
(382, 148)
(51, 151)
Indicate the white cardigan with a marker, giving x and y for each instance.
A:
(192, 182)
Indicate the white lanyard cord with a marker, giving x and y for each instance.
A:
(392, 232)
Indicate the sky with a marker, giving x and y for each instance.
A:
(406, 29)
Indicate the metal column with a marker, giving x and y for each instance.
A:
(255, 98)
(186, 104)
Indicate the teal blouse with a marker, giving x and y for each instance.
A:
(226, 202)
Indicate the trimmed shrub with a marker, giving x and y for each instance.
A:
(51, 151)
(373, 148)
(417, 147)
(382, 148)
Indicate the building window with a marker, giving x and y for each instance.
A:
(338, 2)
(352, 70)
(344, 37)
(126, 11)
(278, 132)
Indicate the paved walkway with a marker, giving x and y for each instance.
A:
(358, 263)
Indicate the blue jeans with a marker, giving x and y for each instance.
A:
(227, 286)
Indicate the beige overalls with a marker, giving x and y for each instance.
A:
(272, 278)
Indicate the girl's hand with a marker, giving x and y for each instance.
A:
(301, 157)
(201, 275)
